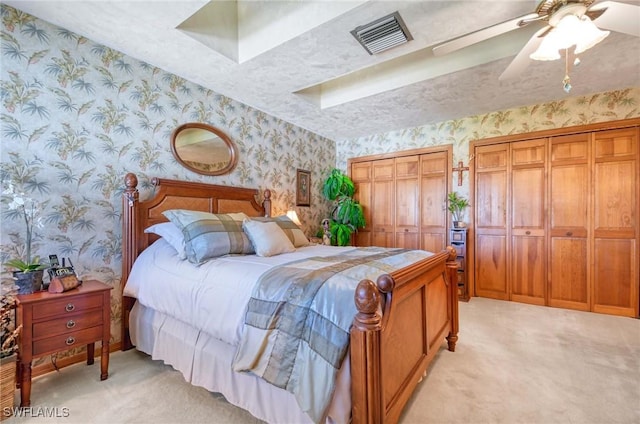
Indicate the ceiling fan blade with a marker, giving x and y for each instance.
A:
(521, 61)
(482, 34)
(595, 14)
(620, 17)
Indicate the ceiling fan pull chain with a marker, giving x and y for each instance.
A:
(566, 82)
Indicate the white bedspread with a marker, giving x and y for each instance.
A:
(211, 297)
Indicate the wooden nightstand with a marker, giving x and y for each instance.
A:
(56, 322)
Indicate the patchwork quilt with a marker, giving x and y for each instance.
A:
(297, 323)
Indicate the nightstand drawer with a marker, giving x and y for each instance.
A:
(67, 324)
(67, 341)
(67, 306)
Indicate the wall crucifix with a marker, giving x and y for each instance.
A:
(460, 169)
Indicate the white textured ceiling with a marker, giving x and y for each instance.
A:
(272, 55)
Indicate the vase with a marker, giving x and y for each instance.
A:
(28, 282)
(7, 386)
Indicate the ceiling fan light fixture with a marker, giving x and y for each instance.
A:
(548, 49)
(570, 30)
(561, 37)
(589, 35)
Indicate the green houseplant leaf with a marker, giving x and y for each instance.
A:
(457, 205)
(347, 215)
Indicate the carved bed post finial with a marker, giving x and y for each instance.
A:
(367, 299)
(266, 203)
(130, 184)
(386, 284)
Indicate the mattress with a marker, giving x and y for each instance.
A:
(211, 297)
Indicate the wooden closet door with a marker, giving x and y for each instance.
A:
(383, 172)
(361, 176)
(407, 209)
(433, 204)
(491, 221)
(569, 193)
(528, 222)
(615, 274)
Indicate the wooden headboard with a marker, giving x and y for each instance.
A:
(173, 194)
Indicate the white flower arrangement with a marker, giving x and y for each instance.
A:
(29, 209)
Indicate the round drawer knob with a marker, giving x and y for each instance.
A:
(71, 323)
(70, 341)
(569, 233)
(528, 232)
(70, 307)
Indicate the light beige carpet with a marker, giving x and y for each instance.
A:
(514, 363)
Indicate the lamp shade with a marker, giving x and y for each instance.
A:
(292, 215)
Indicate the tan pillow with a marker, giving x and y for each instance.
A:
(267, 238)
(293, 232)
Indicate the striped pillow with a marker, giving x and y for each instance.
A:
(208, 235)
(293, 232)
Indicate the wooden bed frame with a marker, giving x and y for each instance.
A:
(390, 351)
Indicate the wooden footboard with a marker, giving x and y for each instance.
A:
(401, 324)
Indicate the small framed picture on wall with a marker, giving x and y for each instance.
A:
(303, 188)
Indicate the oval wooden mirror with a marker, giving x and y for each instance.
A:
(203, 148)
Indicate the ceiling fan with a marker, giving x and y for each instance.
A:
(566, 19)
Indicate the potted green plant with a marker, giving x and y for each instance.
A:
(457, 205)
(347, 214)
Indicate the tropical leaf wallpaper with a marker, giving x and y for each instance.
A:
(76, 116)
(601, 107)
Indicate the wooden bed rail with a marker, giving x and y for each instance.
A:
(384, 375)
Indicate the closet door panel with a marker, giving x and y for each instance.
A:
(491, 222)
(491, 266)
(528, 222)
(491, 199)
(615, 199)
(382, 203)
(615, 277)
(569, 273)
(529, 279)
(569, 207)
(361, 176)
(615, 274)
(407, 203)
(433, 210)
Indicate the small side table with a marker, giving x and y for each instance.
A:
(458, 239)
(55, 322)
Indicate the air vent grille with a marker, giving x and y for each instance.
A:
(382, 34)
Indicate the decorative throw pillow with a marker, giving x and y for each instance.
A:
(172, 234)
(293, 232)
(267, 238)
(208, 235)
